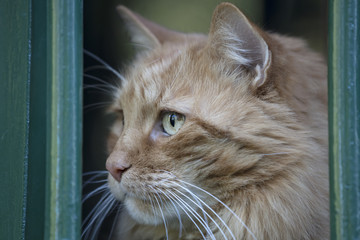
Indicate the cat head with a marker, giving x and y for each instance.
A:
(197, 115)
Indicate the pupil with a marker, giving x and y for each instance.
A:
(172, 120)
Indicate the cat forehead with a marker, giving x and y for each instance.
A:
(159, 64)
(156, 82)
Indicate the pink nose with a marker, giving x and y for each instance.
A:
(116, 166)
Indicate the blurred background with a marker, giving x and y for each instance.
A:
(106, 37)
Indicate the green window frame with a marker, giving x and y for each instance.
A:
(41, 120)
(344, 118)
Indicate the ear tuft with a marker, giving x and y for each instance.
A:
(237, 41)
(145, 33)
(140, 33)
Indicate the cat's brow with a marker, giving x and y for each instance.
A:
(183, 107)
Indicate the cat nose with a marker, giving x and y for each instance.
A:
(116, 166)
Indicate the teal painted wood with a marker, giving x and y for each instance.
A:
(344, 118)
(64, 56)
(35, 206)
(14, 115)
(40, 119)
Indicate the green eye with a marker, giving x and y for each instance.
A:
(172, 122)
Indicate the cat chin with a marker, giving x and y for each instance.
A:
(142, 212)
(139, 210)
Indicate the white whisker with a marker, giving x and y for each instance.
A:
(95, 173)
(103, 212)
(94, 192)
(95, 67)
(194, 213)
(99, 88)
(226, 206)
(115, 220)
(97, 215)
(191, 219)
(91, 180)
(105, 64)
(152, 204)
(102, 199)
(97, 105)
(162, 214)
(222, 221)
(101, 81)
(197, 199)
(95, 181)
(176, 210)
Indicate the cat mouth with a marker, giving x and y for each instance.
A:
(141, 195)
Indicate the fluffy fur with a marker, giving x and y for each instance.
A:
(254, 138)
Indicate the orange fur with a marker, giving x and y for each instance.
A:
(260, 146)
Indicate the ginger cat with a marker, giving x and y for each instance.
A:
(221, 136)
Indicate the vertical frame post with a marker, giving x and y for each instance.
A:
(344, 118)
(40, 119)
(15, 53)
(63, 193)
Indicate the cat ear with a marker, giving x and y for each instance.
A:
(235, 39)
(145, 33)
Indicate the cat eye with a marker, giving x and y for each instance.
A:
(172, 122)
